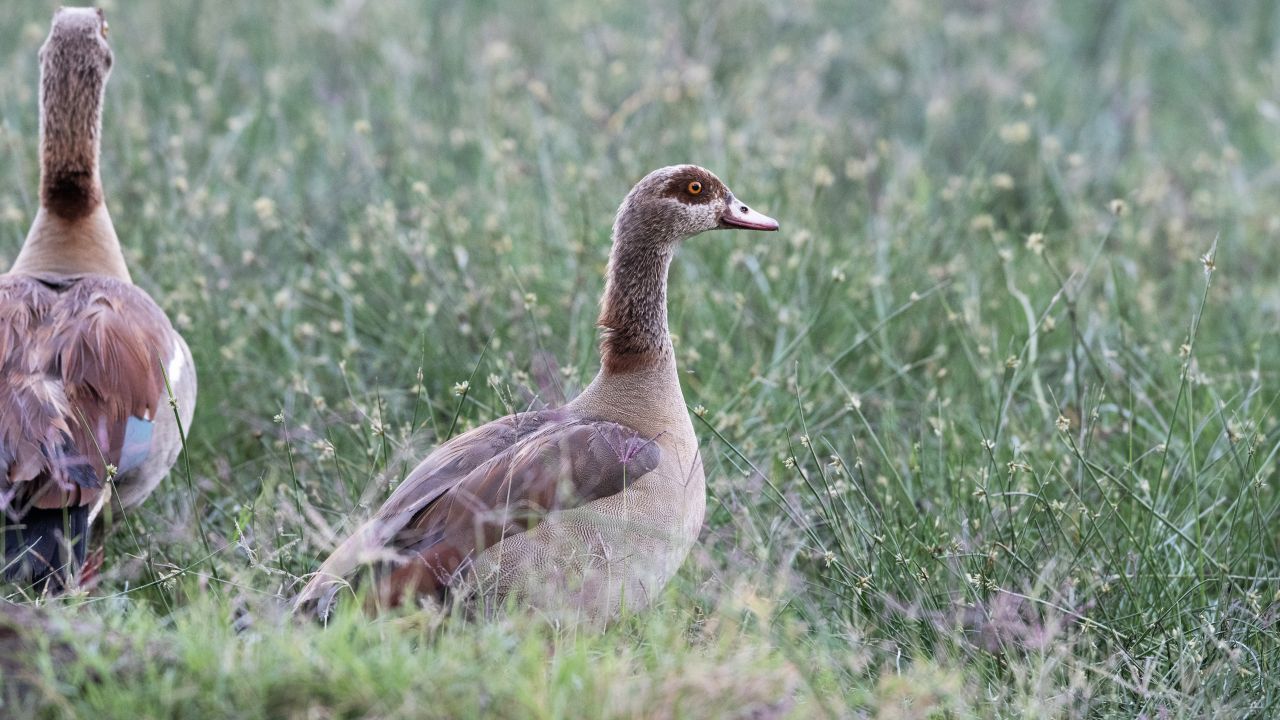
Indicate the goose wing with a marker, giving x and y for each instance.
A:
(82, 363)
(422, 539)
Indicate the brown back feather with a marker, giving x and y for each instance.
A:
(79, 356)
(564, 466)
(441, 470)
(517, 469)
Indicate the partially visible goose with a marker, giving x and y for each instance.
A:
(83, 352)
(595, 503)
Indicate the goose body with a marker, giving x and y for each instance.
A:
(85, 413)
(593, 505)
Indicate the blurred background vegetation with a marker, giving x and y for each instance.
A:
(989, 427)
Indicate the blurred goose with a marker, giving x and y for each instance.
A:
(84, 354)
(595, 503)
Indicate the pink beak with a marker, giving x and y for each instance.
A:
(738, 215)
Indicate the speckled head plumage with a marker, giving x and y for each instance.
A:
(675, 203)
(75, 63)
(666, 207)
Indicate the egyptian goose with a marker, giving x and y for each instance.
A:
(596, 502)
(84, 353)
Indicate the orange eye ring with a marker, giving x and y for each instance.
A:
(106, 28)
(695, 188)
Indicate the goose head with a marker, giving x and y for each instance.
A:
(675, 203)
(75, 59)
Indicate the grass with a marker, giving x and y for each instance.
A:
(990, 427)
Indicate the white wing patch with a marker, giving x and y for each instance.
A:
(176, 364)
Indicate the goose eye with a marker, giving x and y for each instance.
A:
(695, 188)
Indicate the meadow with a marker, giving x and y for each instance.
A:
(990, 427)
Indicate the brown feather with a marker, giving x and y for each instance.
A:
(435, 475)
(633, 316)
(80, 357)
(457, 458)
(495, 481)
(72, 195)
(564, 466)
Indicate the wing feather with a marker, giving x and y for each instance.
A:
(428, 533)
(80, 386)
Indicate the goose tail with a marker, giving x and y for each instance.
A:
(46, 548)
